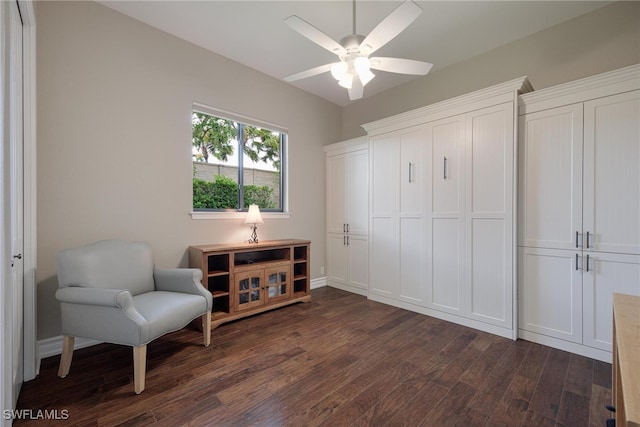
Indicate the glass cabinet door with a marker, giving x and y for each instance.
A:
(278, 283)
(249, 289)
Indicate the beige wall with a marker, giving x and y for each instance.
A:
(114, 152)
(603, 40)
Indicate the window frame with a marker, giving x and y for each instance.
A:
(284, 166)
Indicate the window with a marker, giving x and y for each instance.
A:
(236, 162)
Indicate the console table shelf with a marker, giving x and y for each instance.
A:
(249, 278)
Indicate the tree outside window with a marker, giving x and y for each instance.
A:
(235, 165)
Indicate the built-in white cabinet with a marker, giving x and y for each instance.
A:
(397, 234)
(579, 211)
(347, 179)
(442, 235)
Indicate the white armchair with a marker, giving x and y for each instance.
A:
(111, 291)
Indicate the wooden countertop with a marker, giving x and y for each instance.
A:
(626, 313)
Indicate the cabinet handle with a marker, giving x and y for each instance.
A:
(587, 263)
(344, 240)
(587, 241)
(410, 175)
(347, 228)
(445, 168)
(347, 240)
(576, 262)
(344, 228)
(576, 240)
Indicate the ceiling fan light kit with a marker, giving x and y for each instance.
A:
(353, 71)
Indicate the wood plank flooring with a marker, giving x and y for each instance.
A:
(340, 360)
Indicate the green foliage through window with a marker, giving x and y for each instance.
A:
(224, 148)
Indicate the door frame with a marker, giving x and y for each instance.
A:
(31, 354)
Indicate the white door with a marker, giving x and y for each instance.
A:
(445, 221)
(607, 273)
(550, 289)
(337, 259)
(550, 171)
(11, 292)
(612, 173)
(336, 193)
(489, 192)
(412, 233)
(358, 247)
(384, 231)
(358, 193)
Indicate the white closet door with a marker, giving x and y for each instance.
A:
(612, 173)
(412, 172)
(489, 214)
(337, 258)
(445, 223)
(336, 193)
(358, 192)
(608, 273)
(550, 172)
(384, 231)
(550, 290)
(358, 261)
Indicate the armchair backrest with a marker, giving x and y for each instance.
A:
(108, 264)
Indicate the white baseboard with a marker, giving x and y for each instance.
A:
(318, 283)
(53, 346)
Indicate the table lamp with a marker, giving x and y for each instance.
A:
(254, 217)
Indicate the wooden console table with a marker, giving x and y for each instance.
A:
(249, 278)
(626, 360)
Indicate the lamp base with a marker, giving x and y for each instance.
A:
(254, 235)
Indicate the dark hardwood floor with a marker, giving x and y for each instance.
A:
(340, 360)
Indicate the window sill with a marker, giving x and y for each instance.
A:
(238, 215)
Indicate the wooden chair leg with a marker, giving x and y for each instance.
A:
(67, 355)
(139, 367)
(206, 328)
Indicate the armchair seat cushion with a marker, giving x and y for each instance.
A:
(168, 311)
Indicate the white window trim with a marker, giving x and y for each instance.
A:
(237, 215)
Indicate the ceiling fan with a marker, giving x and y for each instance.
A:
(353, 71)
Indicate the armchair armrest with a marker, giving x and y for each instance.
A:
(185, 280)
(116, 298)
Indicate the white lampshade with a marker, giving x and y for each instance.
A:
(347, 81)
(362, 66)
(253, 216)
(339, 69)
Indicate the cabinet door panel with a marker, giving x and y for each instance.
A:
(277, 283)
(550, 291)
(336, 193)
(249, 289)
(337, 259)
(490, 279)
(385, 266)
(446, 140)
(385, 174)
(445, 270)
(608, 273)
(612, 173)
(358, 193)
(412, 260)
(550, 173)
(412, 169)
(490, 158)
(358, 261)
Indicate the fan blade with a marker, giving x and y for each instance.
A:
(400, 66)
(390, 27)
(315, 35)
(308, 73)
(357, 90)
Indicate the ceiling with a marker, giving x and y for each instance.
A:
(253, 32)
